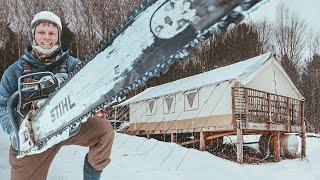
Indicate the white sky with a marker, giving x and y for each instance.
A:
(307, 9)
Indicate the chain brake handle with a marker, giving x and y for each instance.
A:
(35, 90)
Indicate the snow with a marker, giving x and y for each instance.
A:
(137, 158)
(240, 71)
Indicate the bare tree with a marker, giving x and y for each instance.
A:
(290, 34)
(89, 23)
(17, 20)
(265, 31)
(313, 44)
(74, 19)
(107, 15)
(3, 22)
(290, 40)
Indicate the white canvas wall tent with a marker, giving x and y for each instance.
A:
(213, 100)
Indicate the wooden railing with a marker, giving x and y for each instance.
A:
(252, 105)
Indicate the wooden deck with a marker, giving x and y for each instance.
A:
(257, 107)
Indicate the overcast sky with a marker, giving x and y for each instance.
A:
(307, 9)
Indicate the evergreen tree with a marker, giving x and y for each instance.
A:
(310, 88)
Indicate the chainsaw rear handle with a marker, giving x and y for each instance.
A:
(25, 87)
(11, 105)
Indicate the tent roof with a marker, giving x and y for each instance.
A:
(240, 71)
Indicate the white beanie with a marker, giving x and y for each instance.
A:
(52, 18)
(48, 16)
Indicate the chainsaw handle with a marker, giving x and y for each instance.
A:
(30, 87)
(14, 123)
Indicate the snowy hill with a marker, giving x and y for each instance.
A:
(137, 158)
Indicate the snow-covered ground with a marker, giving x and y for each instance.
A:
(137, 158)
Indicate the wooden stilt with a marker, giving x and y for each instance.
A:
(303, 133)
(174, 137)
(276, 146)
(148, 136)
(303, 145)
(239, 142)
(202, 141)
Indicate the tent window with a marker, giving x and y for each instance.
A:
(151, 108)
(191, 100)
(169, 104)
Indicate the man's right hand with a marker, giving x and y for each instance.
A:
(61, 77)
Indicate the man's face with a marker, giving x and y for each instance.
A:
(46, 35)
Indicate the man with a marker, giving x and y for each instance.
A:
(45, 54)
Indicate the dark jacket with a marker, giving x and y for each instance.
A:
(9, 81)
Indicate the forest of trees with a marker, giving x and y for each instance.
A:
(87, 23)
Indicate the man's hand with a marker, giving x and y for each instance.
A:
(47, 81)
(101, 114)
(61, 77)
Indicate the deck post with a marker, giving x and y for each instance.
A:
(234, 124)
(246, 107)
(239, 142)
(148, 136)
(303, 132)
(276, 146)
(174, 137)
(202, 141)
(288, 125)
(269, 107)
